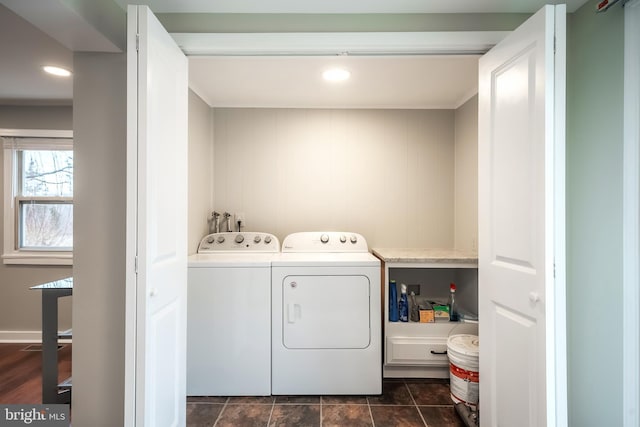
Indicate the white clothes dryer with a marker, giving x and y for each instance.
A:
(326, 322)
(229, 315)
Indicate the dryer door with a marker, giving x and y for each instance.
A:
(326, 312)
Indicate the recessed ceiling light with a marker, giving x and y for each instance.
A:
(56, 71)
(336, 75)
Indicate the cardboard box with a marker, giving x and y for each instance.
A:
(426, 316)
(426, 313)
(441, 313)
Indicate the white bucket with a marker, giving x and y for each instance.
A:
(463, 368)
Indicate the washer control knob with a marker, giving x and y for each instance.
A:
(343, 238)
(354, 239)
(220, 239)
(324, 238)
(210, 239)
(256, 239)
(267, 239)
(239, 238)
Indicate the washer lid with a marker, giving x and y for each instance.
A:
(231, 260)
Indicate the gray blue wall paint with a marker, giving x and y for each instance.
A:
(338, 22)
(20, 307)
(99, 271)
(594, 215)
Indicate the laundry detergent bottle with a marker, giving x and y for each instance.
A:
(393, 301)
(403, 305)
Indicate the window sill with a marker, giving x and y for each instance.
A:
(38, 258)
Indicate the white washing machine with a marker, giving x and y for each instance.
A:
(326, 316)
(229, 315)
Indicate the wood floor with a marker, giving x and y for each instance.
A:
(21, 372)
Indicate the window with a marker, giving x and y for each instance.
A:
(38, 197)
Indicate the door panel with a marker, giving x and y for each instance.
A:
(514, 160)
(326, 312)
(515, 371)
(517, 185)
(163, 377)
(157, 219)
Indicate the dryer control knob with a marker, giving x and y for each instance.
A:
(267, 239)
(220, 239)
(324, 238)
(239, 238)
(256, 239)
(354, 239)
(343, 238)
(210, 239)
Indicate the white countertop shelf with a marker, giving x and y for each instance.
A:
(426, 256)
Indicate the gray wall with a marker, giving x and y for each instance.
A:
(387, 174)
(466, 176)
(200, 169)
(20, 316)
(99, 231)
(594, 209)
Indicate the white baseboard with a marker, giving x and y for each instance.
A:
(16, 337)
(20, 336)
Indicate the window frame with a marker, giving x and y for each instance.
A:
(12, 254)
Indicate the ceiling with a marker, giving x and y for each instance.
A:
(284, 81)
(376, 81)
(24, 50)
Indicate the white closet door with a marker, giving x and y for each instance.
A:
(157, 217)
(521, 188)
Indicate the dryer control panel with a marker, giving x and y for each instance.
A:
(239, 242)
(324, 241)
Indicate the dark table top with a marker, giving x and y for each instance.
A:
(56, 284)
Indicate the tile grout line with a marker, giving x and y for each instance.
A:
(373, 422)
(227, 403)
(273, 405)
(415, 404)
(221, 412)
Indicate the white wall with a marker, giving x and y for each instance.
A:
(466, 175)
(387, 174)
(99, 239)
(200, 169)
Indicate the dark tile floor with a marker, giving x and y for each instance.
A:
(403, 403)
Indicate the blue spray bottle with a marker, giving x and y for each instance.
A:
(404, 304)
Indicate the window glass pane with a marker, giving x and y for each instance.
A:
(47, 173)
(46, 225)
